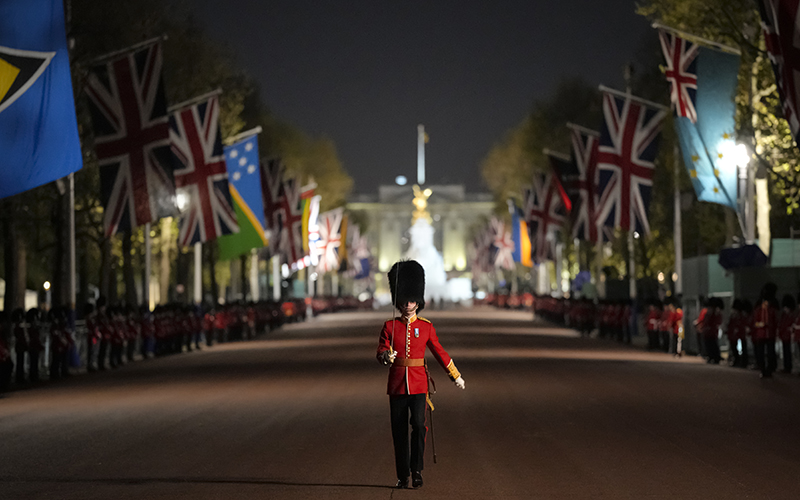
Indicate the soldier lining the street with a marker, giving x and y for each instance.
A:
(402, 347)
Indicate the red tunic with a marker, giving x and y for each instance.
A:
(410, 341)
(653, 318)
(764, 324)
(676, 318)
(711, 324)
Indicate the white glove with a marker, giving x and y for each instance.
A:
(460, 383)
(392, 355)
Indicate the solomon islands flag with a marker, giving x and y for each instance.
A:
(244, 182)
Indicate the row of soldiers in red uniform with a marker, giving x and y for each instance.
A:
(664, 325)
(118, 334)
(114, 333)
(765, 324)
(30, 331)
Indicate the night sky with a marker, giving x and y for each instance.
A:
(365, 73)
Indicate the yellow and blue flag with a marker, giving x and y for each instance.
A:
(703, 87)
(522, 240)
(39, 140)
(244, 183)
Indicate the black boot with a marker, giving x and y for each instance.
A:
(401, 484)
(416, 479)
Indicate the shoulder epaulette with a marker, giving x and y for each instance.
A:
(424, 319)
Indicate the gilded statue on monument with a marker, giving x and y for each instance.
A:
(421, 205)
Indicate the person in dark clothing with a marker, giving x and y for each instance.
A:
(785, 327)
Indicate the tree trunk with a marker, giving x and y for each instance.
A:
(106, 269)
(14, 259)
(131, 298)
(60, 270)
(182, 276)
(212, 265)
(83, 278)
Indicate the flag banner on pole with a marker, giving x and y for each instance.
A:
(480, 252)
(272, 195)
(544, 213)
(625, 156)
(290, 223)
(330, 240)
(40, 140)
(584, 202)
(503, 245)
(343, 256)
(201, 179)
(312, 228)
(703, 87)
(358, 255)
(521, 238)
(564, 168)
(306, 197)
(779, 22)
(244, 181)
(131, 129)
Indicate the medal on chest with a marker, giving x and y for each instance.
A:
(416, 333)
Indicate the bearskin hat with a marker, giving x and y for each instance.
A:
(788, 302)
(407, 283)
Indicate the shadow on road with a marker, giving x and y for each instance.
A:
(182, 480)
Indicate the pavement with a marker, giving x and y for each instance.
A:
(302, 413)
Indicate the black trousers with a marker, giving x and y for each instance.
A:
(765, 356)
(401, 407)
(787, 355)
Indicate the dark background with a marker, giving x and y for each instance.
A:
(366, 72)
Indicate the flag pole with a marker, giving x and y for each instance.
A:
(198, 272)
(697, 39)
(678, 237)
(194, 100)
(242, 135)
(254, 295)
(72, 266)
(132, 48)
(631, 258)
(148, 247)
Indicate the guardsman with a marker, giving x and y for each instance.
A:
(35, 345)
(652, 321)
(92, 335)
(734, 332)
(402, 346)
(20, 342)
(105, 330)
(6, 363)
(711, 325)
(764, 329)
(785, 327)
(59, 343)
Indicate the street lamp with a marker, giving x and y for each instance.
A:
(46, 286)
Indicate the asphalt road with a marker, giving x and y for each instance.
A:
(303, 413)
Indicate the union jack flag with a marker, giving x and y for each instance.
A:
(201, 176)
(779, 22)
(625, 155)
(358, 255)
(681, 73)
(290, 221)
(584, 204)
(545, 214)
(503, 244)
(481, 252)
(272, 191)
(330, 240)
(131, 126)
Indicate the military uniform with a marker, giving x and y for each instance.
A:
(402, 345)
